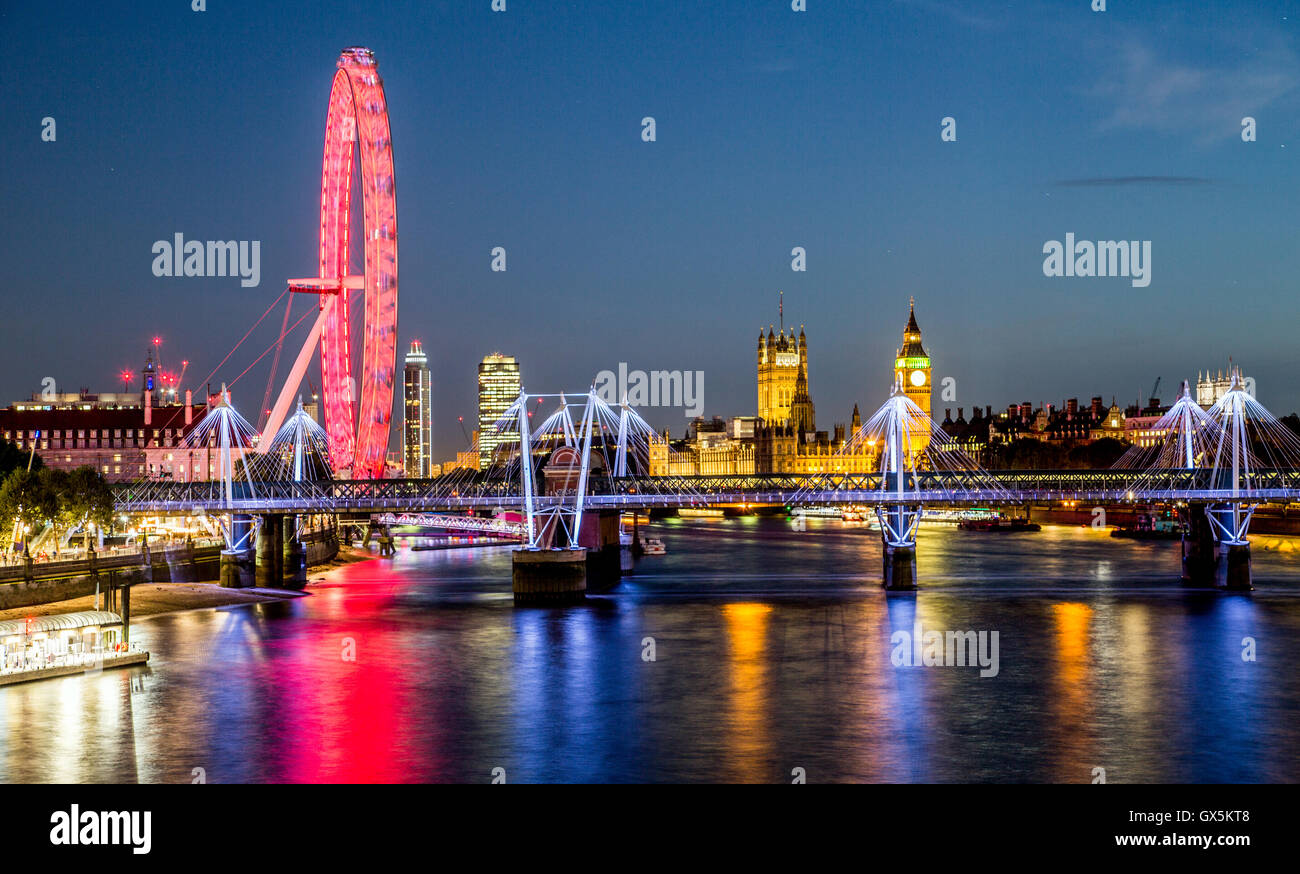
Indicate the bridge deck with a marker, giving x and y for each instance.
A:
(929, 488)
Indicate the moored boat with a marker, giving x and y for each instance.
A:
(1146, 527)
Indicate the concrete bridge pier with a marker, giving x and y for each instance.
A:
(237, 565)
(637, 548)
(599, 536)
(387, 546)
(295, 555)
(1236, 567)
(549, 577)
(269, 571)
(1211, 560)
(1230, 523)
(1200, 552)
(237, 568)
(899, 574)
(898, 540)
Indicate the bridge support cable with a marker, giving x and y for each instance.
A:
(1184, 439)
(634, 445)
(1223, 463)
(263, 411)
(916, 461)
(224, 431)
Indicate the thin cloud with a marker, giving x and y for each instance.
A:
(1150, 92)
(1115, 181)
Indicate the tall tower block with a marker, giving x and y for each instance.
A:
(417, 416)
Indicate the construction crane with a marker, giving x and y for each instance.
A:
(1155, 391)
(461, 419)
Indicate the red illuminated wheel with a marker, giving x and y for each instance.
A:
(358, 114)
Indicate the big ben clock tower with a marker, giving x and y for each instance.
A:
(912, 364)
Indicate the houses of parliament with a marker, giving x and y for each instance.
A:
(786, 437)
(783, 437)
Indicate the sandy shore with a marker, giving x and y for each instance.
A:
(150, 599)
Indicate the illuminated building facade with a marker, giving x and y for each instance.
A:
(498, 388)
(713, 447)
(786, 439)
(780, 362)
(124, 436)
(417, 423)
(1210, 388)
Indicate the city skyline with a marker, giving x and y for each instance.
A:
(1006, 490)
(1207, 384)
(557, 174)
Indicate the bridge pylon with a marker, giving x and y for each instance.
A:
(898, 524)
(1222, 462)
(226, 437)
(917, 460)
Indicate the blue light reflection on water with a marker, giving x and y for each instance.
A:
(772, 652)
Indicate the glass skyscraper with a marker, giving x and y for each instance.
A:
(498, 388)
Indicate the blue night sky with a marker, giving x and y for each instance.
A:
(775, 129)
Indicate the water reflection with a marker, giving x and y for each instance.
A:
(1072, 692)
(771, 652)
(747, 696)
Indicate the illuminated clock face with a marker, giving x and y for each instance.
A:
(918, 378)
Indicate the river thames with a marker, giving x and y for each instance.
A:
(751, 652)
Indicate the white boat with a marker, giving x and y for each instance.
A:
(653, 546)
(827, 512)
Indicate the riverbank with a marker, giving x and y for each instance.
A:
(151, 599)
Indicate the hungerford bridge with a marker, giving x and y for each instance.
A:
(570, 478)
